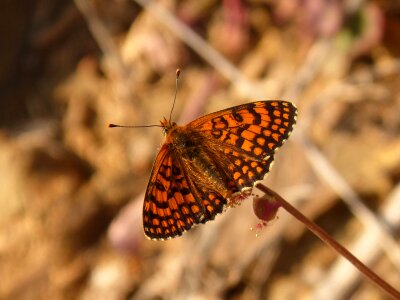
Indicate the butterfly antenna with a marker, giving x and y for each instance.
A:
(131, 126)
(178, 72)
(111, 125)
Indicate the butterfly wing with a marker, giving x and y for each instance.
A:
(247, 136)
(257, 128)
(173, 202)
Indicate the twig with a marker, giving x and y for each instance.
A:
(213, 57)
(106, 44)
(100, 32)
(327, 173)
(341, 278)
(325, 237)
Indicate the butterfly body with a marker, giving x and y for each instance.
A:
(205, 165)
(186, 144)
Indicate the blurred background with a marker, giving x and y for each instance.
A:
(71, 190)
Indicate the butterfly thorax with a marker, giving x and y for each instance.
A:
(199, 162)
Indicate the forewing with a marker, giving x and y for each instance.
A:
(254, 129)
(243, 139)
(173, 203)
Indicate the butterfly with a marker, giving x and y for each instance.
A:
(204, 166)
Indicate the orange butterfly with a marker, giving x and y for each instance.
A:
(207, 164)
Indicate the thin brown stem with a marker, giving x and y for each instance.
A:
(325, 237)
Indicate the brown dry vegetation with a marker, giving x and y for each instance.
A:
(71, 190)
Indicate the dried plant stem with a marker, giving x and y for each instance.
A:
(326, 172)
(341, 277)
(113, 58)
(101, 34)
(325, 237)
(197, 43)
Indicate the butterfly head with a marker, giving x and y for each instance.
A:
(167, 125)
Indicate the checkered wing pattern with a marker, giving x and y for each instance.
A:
(247, 136)
(174, 202)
